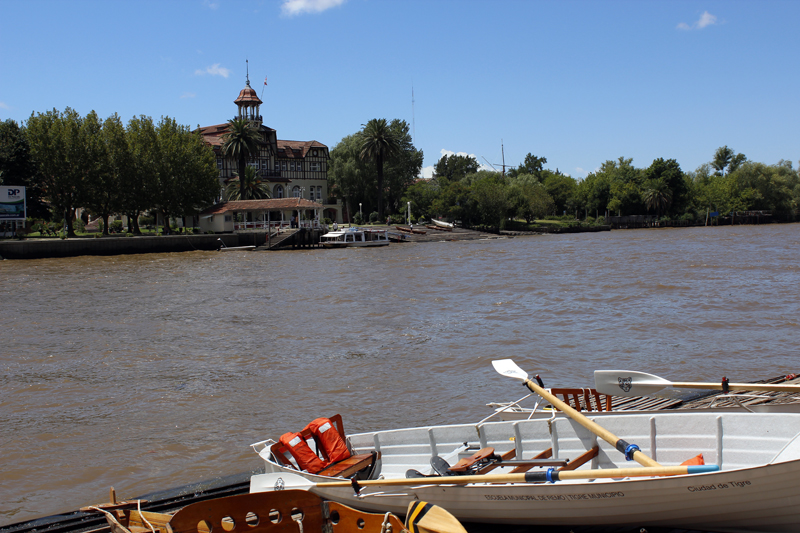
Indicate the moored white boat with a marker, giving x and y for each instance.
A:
(442, 223)
(355, 237)
(755, 489)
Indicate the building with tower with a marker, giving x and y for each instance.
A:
(291, 169)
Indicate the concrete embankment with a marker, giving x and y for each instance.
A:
(40, 248)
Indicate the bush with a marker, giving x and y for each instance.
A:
(146, 221)
(358, 219)
(373, 217)
(115, 227)
(327, 221)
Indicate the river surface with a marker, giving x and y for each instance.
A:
(152, 371)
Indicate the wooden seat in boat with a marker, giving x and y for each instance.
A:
(584, 399)
(344, 468)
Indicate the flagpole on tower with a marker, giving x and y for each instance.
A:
(262, 88)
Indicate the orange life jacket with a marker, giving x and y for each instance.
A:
(302, 453)
(329, 439)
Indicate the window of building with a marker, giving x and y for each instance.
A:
(315, 166)
(314, 153)
(283, 165)
(219, 163)
(319, 193)
(277, 165)
(279, 191)
(296, 192)
(299, 165)
(228, 218)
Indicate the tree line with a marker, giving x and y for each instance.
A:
(68, 161)
(461, 190)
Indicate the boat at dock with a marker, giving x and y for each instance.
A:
(701, 470)
(273, 512)
(355, 237)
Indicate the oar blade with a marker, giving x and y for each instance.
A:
(424, 517)
(507, 367)
(628, 383)
(279, 481)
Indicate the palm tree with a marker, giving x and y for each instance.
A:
(378, 142)
(240, 143)
(657, 196)
(251, 188)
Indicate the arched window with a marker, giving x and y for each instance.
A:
(296, 192)
(278, 193)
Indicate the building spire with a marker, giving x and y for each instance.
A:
(247, 62)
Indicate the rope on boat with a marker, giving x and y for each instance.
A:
(146, 521)
(299, 520)
(111, 517)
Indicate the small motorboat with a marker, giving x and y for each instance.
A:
(273, 512)
(224, 248)
(355, 238)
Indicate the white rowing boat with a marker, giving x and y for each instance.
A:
(442, 224)
(753, 486)
(756, 488)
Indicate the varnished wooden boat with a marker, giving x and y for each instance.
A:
(286, 511)
(410, 230)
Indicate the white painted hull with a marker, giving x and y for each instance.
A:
(337, 244)
(757, 488)
(441, 224)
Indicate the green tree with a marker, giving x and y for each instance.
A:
(561, 188)
(349, 178)
(240, 143)
(528, 198)
(107, 147)
(531, 165)
(455, 167)
(422, 194)
(18, 168)
(490, 197)
(402, 170)
(378, 143)
(666, 176)
(138, 191)
(186, 172)
(254, 188)
(725, 158)
(59, 151)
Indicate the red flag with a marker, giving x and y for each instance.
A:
(265, 80)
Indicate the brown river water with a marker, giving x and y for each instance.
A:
(152, 371)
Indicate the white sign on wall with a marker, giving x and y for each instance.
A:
(12, 202)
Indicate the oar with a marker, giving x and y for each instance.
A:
(629, 383)
(509, 368)
(424, 517)
(287, 480)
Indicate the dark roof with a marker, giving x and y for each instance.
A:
(248, 95)
(297, 149)
(274, 204)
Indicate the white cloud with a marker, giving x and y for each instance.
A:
(4, 105)
(210, 4)
(298, 7)
(214, 70)
(706, 19)
(188, 95)
(427, 172)
(465, 154)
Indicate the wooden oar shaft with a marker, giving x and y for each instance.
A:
(532, 477)
(597, 429)
(760, 387)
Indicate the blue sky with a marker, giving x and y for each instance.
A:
(577, 82)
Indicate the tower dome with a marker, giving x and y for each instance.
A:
(249, 103)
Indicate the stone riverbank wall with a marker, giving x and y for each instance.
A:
(40, 248)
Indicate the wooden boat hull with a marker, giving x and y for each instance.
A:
(756, 489)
